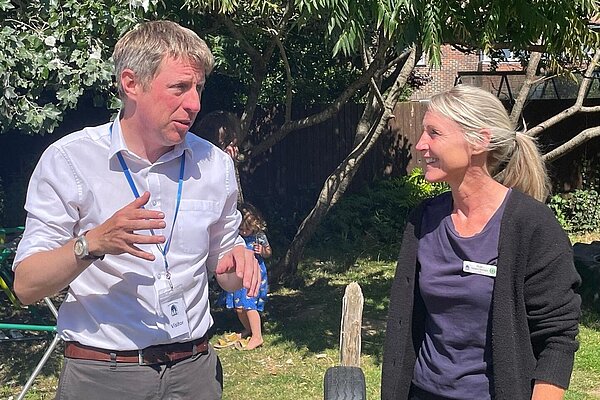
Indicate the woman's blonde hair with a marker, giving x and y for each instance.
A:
(143, 49)
(513, 157)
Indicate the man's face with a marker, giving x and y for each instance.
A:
(170, 103)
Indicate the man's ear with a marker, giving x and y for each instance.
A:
(130, 83)
(482, 145)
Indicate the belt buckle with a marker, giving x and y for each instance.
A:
(141, 358)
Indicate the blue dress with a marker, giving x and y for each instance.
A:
(239, 298)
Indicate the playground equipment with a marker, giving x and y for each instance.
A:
(13, 331)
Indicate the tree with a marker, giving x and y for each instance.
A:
(56, 52)
(325, 51)
(389, 36)
(559, 30)
(52, 54)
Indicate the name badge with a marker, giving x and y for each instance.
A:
(472, 267)
(173, 307)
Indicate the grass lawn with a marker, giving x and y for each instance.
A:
(301, 341)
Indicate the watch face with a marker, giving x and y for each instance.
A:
(79, 248)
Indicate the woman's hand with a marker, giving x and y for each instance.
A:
(547, 391)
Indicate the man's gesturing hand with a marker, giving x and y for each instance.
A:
(241, 261)
(117, 234)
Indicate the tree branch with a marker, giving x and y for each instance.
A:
(530, 77)
(583, 88)
(398, 59)
(578, 140)
(259, 69)
(590, 109)
(330, 111)
(244, 44)
(288, 79)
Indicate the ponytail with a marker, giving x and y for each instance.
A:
(526, 170)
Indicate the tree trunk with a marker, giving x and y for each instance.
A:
(337, 183)
(334, 187)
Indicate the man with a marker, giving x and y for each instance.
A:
(133, 216)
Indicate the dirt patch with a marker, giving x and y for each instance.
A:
(595, 392)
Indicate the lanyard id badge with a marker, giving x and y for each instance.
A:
(170, 298)
(173, 307)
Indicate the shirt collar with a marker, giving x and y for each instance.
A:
(117, 144)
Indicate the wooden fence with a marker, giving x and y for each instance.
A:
(294, 170)
(297, 167)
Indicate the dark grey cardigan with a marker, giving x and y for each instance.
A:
(535, 311)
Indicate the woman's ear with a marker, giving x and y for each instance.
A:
(482, 145)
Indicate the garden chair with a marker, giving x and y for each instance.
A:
(14, 330)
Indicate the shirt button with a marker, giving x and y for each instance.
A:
(154, 202)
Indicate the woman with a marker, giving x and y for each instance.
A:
(483, 303)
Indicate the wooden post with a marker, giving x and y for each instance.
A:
(352, 307)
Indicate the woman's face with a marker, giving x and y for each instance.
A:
(446, 152)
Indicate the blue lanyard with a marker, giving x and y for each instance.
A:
(162, 250)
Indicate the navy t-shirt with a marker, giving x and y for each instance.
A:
(455, 358)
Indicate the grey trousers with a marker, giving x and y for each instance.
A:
(199, 377)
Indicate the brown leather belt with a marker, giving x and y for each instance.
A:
(159, 354)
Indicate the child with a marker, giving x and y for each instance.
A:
(222, 129)
(248, 309)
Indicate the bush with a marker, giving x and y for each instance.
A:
(577, 211)
(371, 222)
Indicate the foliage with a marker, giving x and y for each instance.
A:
(315, 76)
(371, 222)
(560, 28)
(577, 211)
(53, 52)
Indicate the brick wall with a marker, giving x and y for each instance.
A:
(454, 61)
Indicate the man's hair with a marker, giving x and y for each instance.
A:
(143, 49)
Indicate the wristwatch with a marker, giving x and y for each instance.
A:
(81, 249)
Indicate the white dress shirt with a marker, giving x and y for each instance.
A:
(79, 183)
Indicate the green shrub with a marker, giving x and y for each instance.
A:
(371, 222)
(577, 211)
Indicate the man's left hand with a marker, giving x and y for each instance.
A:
(242, 262)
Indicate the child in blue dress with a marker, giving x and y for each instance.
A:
(248, 309)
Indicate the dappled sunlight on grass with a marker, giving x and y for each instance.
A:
(301, 332)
